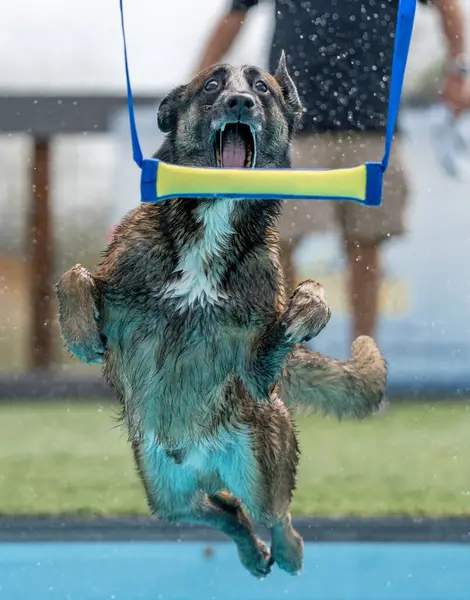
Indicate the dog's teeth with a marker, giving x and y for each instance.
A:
(222, 129)
(249, 157)
(254, 153)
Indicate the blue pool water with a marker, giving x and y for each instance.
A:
(188, 571)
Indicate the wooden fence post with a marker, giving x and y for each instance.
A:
(41, 259)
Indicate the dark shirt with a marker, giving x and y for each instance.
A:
(339, 53)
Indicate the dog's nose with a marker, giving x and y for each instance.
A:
(239, 104)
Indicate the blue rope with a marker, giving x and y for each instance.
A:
(137, 151)
(403, 30)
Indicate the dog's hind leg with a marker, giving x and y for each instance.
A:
(79, 316)
(278, 455)
(286, 545)
(227, 515)
(259, 467)
(173, 493)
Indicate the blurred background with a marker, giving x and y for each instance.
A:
(67, 177)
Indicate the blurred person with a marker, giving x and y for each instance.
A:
(340, 56)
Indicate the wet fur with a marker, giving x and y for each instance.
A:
(188, 313)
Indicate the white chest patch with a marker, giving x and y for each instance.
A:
(198, 281)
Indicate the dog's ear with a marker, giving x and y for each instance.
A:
(287, 86)
(168, 110)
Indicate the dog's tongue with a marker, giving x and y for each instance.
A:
(233, 150)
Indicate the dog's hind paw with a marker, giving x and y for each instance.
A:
(287, 552)
(256, 558)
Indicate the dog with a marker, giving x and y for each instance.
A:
(188, 315)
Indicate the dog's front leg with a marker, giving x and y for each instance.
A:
(306, 315)
(79, 316)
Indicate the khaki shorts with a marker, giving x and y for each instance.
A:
(357, 222)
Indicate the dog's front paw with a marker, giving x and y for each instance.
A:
(90, 350)
(256, 558)
(307, 312)
(79, 317)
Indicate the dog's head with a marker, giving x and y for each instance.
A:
(232, 118)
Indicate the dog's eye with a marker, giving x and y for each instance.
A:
(261, 86)
(211, 85)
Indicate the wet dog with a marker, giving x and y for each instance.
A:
(189, 316)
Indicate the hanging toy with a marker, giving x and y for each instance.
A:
(362, 184)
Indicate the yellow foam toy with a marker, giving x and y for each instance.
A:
(174, 181)
(363, 184)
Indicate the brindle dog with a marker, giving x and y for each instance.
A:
(188, 314)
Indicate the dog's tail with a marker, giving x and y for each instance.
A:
(355, 387)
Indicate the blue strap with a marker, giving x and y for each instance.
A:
(137, 152)
(403, 30)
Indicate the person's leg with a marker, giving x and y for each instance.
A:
(365, 228)
(287, 261)
(364, 285)
(300, 218)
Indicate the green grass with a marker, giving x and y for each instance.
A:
(413, 460)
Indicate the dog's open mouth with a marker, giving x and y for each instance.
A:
(235, 146)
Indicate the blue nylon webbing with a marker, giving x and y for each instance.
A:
(404, 27)
(138, 157)
(403, 30)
